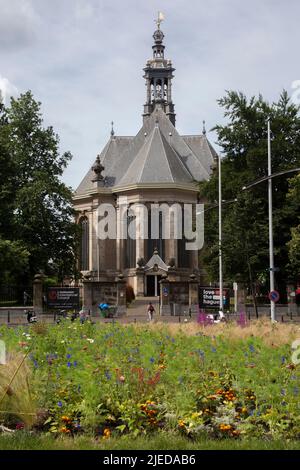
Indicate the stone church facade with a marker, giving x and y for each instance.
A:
(157, 166)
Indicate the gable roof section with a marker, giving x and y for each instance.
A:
(111, 153)
(157, 154)
(156, 162)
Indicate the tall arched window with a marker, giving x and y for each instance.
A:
(158, 243)
(130, 244)
(84, 245)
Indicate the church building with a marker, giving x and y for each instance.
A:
(156, 166)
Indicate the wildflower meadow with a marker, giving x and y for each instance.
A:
(216, 382)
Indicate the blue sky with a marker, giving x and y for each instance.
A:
(83, 60)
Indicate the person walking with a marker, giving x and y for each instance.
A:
(82, 316)
(150, 310)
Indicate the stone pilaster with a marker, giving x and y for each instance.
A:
(38, 294)
(193, 295)
(165, 296)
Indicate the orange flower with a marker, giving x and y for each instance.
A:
(106, 433)
(225, 427)
(66, 419)
(65, 430)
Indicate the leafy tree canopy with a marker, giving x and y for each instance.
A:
(243, 140)
(36, 215)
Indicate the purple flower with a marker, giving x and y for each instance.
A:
(68, 356)
(213, 349)
(252, 348)
(283, 392)
(152, 359)
(60, 404)
(69, 364)
(107, 375)
(283, 359)
(75, 363)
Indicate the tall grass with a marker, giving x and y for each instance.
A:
(16, 403)
(272, 334)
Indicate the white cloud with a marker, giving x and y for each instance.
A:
(84, 10)
(18, 23)
(84, 58)
(7, 89)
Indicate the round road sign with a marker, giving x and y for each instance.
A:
(274, 295)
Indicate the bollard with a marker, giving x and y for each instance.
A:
(8, 316)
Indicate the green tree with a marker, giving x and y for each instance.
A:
(293, 199)
(245, 223)
(38, 204)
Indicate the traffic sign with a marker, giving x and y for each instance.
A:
(274, 296)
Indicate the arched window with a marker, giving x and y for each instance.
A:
(183, 254)
(158, 243)
(130, 244)
(84, 245)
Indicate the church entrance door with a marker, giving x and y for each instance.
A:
(153, 286)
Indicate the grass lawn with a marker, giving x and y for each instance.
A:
(162, 441)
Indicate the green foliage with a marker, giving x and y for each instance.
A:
(245, 222)
(14, 258)
(36, 215)
(293, 198)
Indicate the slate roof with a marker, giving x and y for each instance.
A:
(157, 154)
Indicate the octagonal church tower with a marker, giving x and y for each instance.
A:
(156, 168)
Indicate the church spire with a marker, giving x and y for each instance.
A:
(158, 75)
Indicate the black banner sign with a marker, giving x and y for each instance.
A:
(63, 297)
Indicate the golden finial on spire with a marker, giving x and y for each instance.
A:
(160, 19)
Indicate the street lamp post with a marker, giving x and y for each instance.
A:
(220, 239)
(271, 245)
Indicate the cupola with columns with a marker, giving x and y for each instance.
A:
(158, 75)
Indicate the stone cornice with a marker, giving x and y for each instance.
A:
(191, 187)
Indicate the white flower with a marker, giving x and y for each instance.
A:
(90, 340)
(62, 341)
